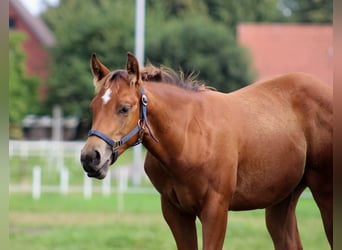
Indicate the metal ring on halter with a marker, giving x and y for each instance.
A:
(144, 100)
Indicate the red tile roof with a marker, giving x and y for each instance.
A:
(284, 48)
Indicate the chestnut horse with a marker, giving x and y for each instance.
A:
(210, 152)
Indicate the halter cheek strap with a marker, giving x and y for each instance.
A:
(115, 145)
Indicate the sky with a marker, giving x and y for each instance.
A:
(37, 6)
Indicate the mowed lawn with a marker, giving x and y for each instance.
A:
(70, 222)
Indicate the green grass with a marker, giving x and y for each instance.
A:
(70, 222)
(73, 223)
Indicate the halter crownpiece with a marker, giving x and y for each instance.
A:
(115, 145)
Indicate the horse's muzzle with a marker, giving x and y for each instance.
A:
(92, 165)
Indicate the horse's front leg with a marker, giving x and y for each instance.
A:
(214, 216)
(182, 225)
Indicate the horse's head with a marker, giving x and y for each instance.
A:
(119, 113)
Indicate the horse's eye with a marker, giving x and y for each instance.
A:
(124, 109)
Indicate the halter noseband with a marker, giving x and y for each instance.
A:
(115, 145)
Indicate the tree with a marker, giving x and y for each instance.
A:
(307, 11)
(81, 28)
(197, 43)
(229, 13)
(23, 89)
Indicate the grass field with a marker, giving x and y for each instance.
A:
(70, 222)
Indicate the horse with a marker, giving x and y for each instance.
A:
(209, 152)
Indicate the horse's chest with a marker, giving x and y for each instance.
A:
(186, 190)
(182, 197)
(182, 194)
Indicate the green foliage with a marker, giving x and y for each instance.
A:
(178, 8)
(228, 12)
(308, 11)
(81, 28)
(231, 13)
(197, 43)
(23, 89)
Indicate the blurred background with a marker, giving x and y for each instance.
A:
(230, 44)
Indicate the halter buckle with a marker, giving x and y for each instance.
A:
(117, 145)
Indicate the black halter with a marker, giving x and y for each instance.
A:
(115, 145)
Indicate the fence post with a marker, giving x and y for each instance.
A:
(122, 186)
(24, 150)
(87, 186)
(57, 124)
(106, 184)
(36, 183)
(64, 180)
(57, 134)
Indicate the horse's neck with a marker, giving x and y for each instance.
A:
(168, 112)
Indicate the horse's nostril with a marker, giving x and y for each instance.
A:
(97, 157)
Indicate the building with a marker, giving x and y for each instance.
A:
(39, 39)
(285, 48)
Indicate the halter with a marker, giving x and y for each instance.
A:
(115, 145)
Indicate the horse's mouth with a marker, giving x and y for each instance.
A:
(101, 172)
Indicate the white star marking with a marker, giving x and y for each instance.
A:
(106, 96)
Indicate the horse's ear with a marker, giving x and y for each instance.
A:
(132, 67)
(98, 70)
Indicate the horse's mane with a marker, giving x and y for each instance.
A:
(151, 73)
